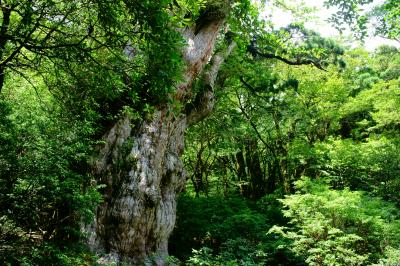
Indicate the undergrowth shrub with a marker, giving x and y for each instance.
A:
(339, 227)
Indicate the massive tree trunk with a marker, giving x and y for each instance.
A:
(141, 165)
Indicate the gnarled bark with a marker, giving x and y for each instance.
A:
(141, 166)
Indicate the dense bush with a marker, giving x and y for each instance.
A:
(229, 231)
(339, 227)
(45, 186)
(372, 165)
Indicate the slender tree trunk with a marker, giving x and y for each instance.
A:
(141, 165)
(198, 173)
(241, 165)
(271, 178)
(2, 77)
(6, 14)
(256, 174)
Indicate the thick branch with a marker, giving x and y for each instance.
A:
(299, 61)
(205, 100)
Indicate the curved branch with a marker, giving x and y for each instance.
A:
(253, 50)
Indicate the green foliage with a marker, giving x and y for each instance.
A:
(391, 18)
(68, 69)
(229, 231)
(371, 166)
(349, 15)
(49, 254)
(338, 227)
(212, 221)
(392, 257)
(8, 145)
(387, 16)
(297, 45)
(340, 126)
(97, 59)
(47, 192)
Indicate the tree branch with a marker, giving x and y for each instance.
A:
(252, 124)
(299, 61)
(18, 49)
(204, 102)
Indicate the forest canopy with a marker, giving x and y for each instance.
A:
(196, 132)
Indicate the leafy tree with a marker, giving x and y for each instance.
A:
(387, 19)
(268, 110)
(33, 30)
